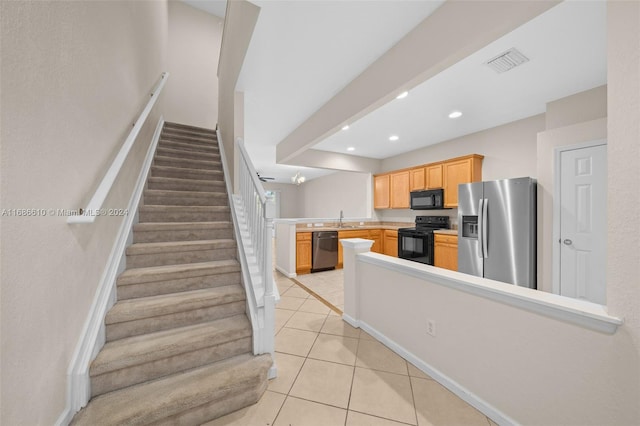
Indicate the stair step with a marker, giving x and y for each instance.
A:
(185, 173)
(193, 155)
(151, 232)
(156, 280)
(186, 163)
(189, 137)
(184, 198)
(187, 128)
(134, 317)
(185, 146)
(133, 360)
(191, 397)
(141, 255)
(175, 184)
(184, 213)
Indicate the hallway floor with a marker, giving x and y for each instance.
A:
(330, 373)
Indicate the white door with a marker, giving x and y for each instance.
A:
(583, 223)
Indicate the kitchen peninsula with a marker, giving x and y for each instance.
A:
(293, 239)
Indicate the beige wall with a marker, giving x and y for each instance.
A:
(290, 199)
(350, 192)
(192, 60)
(623, 150)
(569, 121)
(532, 368)
(240, 19)
(75, 75)
(509, 151)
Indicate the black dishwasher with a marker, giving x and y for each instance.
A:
(324, 252)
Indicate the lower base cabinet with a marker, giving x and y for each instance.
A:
(390, 243)
(445, 251)
(303, 252)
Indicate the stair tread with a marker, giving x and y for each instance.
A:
(167, 151)
(152, 401)
(172, 246)
(174, 125)
(161, 207)
(177, 226)
(187, 270)
(151, 306)
(217, 173)
(149, 347)
(188, 160)
(177, 193)
(179, 180)
(176, 144)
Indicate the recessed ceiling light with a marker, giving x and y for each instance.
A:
(393, 138)
(455, 114)
(345, 127)
(402, 95)
(351, 148)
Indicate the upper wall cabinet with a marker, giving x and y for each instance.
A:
(400, 190)
(460, 170)
(417, 179)
(391, 190)
(381, 194)
(433, 176)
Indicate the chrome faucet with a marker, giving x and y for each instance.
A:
(341, 217)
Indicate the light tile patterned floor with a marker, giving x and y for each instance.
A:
(330, 373)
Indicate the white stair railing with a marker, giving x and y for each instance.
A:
(253, 212)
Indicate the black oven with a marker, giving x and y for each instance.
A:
(427, 200)
(417, 243)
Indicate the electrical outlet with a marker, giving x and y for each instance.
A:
(431, 327)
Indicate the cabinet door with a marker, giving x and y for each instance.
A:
(446, 252)
(303, 253)
(417, 179)
(381, 192)
(376, 236)
(391, 243)
(433, 176)
(457, 171)
(349, 234)
(400, 190)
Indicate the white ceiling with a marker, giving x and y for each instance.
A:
(303, 52)
(567, 51)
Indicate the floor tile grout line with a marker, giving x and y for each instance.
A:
(353, 376)
(413, 397)
(384, 418)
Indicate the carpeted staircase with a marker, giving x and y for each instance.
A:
(179, 345)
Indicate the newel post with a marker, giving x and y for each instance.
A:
(350, 248)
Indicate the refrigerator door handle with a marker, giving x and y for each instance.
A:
(480, 228)
(485, 249)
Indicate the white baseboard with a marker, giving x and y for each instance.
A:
(351, 321)
(285, 272)
(93, 333)
(470, 398)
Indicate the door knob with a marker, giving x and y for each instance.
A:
(567, 242)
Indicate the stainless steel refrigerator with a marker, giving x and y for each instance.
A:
(497, 230)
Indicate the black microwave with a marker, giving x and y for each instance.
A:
(429, 199)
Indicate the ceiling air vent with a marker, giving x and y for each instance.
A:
(507, 60)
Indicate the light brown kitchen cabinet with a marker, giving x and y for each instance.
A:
(417, 179)
(376, 236)
(445, 251)
(459, 170)
(390, 244)
(433, 176)
(381, 192)
(356, 233)
(400, 190)
(303, 252)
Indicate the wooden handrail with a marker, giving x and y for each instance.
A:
(94, 207)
